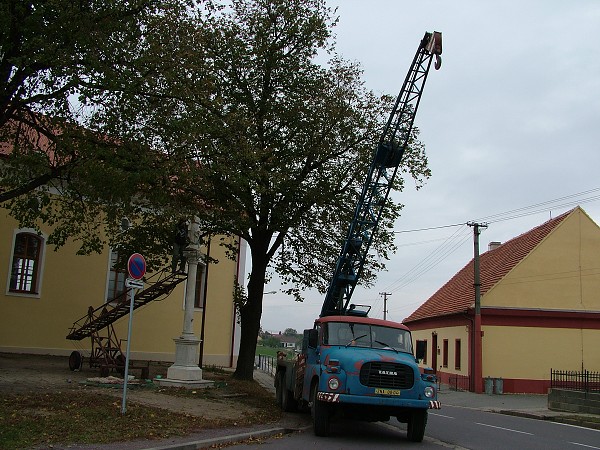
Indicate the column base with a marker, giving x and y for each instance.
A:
(185, 371)
(188, 384)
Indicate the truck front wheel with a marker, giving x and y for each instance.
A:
(320, 413)
(417, 422)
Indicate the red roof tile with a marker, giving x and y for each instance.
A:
(458, 294)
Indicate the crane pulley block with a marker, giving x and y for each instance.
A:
(388, 155)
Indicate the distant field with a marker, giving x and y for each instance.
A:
(268, 351)
(272, 351)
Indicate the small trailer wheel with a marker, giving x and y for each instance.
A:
(75, 361)
(120, 362)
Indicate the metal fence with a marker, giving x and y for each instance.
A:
(266, 363)
(584, 380)
(459, 382)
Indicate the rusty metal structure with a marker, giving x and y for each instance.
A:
(97, 324)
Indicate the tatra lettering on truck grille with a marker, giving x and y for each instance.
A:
(379, 374)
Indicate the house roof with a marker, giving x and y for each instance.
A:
(458, 294)
(286, 338)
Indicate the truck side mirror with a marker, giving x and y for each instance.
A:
(313, 338)
(421, 350)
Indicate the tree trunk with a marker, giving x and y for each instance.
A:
(251, 312)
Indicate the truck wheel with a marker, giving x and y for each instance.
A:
(279, 383)
(320, 414)
(417, 422)
(288, 402)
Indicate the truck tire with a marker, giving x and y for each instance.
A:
(288, 402)
(417, 422)
(279, 383)
(320, 414)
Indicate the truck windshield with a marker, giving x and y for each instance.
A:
(363, 335)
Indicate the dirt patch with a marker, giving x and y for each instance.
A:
(44, 373)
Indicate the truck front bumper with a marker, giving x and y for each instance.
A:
(376, 400)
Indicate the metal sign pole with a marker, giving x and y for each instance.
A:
(136, 266)
(123, 408)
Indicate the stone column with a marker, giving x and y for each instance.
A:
(185, 371)
(192, 255)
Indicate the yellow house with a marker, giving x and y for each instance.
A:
(46, 291)
(540, 310)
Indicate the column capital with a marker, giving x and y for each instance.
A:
(192, 254)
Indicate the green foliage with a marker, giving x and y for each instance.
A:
(220, 112)
(272, 342)
(62, 64)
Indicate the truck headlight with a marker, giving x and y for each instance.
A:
(333, 383)
(429, 392)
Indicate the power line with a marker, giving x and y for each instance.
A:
(523, 211)
(429, 228)
(451, 244)
(455, 241)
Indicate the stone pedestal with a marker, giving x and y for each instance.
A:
(185, 371)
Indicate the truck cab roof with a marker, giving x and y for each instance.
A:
(365, 320)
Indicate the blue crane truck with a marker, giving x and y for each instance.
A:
(352, 365)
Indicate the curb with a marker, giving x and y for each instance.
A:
(204, 443)
(553, 418)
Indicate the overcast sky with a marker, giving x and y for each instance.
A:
(511, 120)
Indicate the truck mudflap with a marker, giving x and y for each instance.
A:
(332, 397)
(329, 397)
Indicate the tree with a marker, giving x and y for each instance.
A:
(55, 55)
(290, 332)
(284, 146)
(61, 64)
(271, 341)
(236, 116)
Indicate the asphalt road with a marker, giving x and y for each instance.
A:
(474, 429)
(451, 427)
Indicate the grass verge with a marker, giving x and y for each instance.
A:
(31, 420)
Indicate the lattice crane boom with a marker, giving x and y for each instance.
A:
(376, 189)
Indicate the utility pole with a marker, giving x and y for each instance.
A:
(476, 344)
(385, 296)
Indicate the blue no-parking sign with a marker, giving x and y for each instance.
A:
(136, 265)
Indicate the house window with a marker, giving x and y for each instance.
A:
(25, 267)
(200, 283)
(445, 355)
(424, 344)
(116, 278)
(457, 354)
